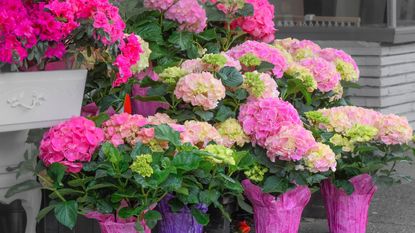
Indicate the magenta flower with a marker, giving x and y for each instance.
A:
(324, 73)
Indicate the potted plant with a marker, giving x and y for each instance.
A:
(369, 146)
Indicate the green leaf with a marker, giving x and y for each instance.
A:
(208, 35)
(241, 94)
(247, 10)
(101, 118)
(22, 187)
(172, 183)
(265, 66)
(186, 160)
(150, 32)
(205, 115)
(66, 213)
(181, 39)
(245, 206)
(65, 192)
(56, 172)
(176, 205)
(166, 133)
(230, 76)
(139, 227)
(149, 82)
(152, 217)
(275, 184)
(209, 196)
(44, 212)
(192, 51)
(104, 207)
(224, 113)
(214, 14)
(345, 185)
(200, 217)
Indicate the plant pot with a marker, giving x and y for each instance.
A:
(108, 223)
(280, 214)
(40, 99)
(348, 213)
(177, 222)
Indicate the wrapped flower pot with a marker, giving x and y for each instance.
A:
(348, 213)
(280, 214)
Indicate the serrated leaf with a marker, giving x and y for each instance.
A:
(200, 217)
(230, 76)
(22, 187)
(152, 217)
(44, 212)
(166, 133)
(181, 39)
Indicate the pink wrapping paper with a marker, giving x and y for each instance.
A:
(112, 224)
(145, 108)
(348, 213)
(277, 215)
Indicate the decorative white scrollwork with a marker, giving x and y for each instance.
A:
(37, 100)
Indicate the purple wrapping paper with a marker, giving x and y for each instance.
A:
(178, 222)
(141, 107)
(277, 215)
(348, 213)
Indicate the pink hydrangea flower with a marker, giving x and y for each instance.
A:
(291, 143)
(345, 64)
(394, 130)
(301, 49)
(320, 158)
(263, 118)
(159, 5)
(260, 25)
(71, 143)
(125, 128)
(200, 133)
(131, 50)
(189, 14)
(263, 51)
(160, 118)
(324, 72)
(193, 66)
(271, 87)
(200, 89)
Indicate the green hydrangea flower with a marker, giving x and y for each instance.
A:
(250, 60)
(172, 74)
(346, 70)
(361, 133)
(303, 74)
(215, 59)
(316, 117)
(256, 173)
(253, 83)
(144, 60)
(221, 154)
(345, 143)
(142, 165)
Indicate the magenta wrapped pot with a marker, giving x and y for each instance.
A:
(280, 214)
(178, 222)
(348, 213)
(109, 224)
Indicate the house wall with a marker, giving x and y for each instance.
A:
(387, 76)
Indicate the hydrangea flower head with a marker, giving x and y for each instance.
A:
(256, 173)
(263, 51)
(172, 74)
(320, 158)
(260, 25)
(200, 89)
(305, 75)
(221, 154)
(260, 85)
(71, 143)
(232, 133)
(324, 73)
(160, 118)
(125, 128)
(142, 165)
(217, 60)
(250, 60)
(394, 130)
(189, 14)
(301, 49)
(263, 118)
(291, 143)
(200, 133)
(361, 133)
(345, 64)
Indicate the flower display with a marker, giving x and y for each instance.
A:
(200, 89)
(292, 142)
(232, 133)
(260, 85)
(200, 133)
(345, 64)
(324, 73)
(263, 51)
(260, 25)
(263, 118)
(160, 118)
(320, 158)
(71, 143)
